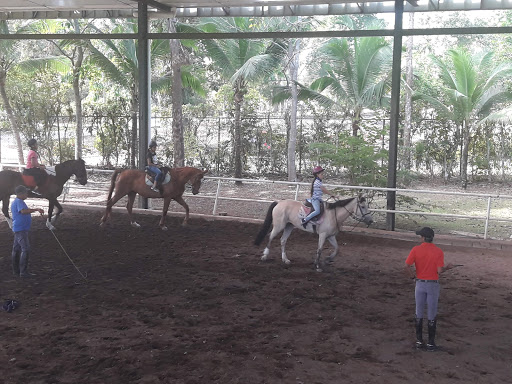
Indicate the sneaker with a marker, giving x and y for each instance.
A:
(419, 344)
(154, 189)
(431, 347)
(304, 223)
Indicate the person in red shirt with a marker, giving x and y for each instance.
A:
(33, 168)
(429, 262)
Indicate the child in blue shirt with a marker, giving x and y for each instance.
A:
(21, 222)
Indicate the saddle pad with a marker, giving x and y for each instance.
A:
(166, 180)
(28, 181)
(304, 211)
(50, 171)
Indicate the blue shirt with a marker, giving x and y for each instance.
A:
(317, 189)
(20, 222)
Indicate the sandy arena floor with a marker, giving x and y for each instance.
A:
(196, 305)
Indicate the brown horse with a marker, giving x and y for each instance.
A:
(132, 181)
(50, 190)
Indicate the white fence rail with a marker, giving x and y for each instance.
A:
(487, 218)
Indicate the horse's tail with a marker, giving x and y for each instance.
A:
(113, 182)
(266, 225)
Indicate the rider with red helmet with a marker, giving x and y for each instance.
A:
(317, 189)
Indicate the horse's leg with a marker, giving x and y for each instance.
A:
(53, 220)
(5, 210)
(321, 242)
(110, 204)
(129, 207)
(49, 225)
(286, 234)
(167, 201)
(278, 227)
(334, 243)
(181, 202)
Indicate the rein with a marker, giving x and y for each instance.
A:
(352, 215)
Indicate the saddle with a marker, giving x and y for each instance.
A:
(307, 208)
(150, 176)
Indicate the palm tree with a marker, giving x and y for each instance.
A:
(120, 65)
(352, 77)
(68, 62)
(9, 58)
(473, 90)
(239, 61)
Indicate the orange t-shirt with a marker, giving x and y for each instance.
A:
(427, 257)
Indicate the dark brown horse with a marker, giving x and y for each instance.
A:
(50, 190)
(132, 181)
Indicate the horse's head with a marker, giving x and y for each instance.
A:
(196, 181)
(79, 171)
(362, 213)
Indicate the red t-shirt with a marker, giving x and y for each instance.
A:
(427, 257)
(32, 159)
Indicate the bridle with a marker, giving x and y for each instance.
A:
(352, 215)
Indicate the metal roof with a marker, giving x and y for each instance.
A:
(53, 9)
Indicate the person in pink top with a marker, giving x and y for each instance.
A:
(33, 168)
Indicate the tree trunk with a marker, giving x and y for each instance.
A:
(465, 151)
(177, 98)
(238, 99)
(355, 122)
(77, 66)
(293, 53)
(78, 103)
(11, 116)
(133, 141)
(408, 98)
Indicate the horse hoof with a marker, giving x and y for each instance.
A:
(50, 226)
(164, 228)
(287, 262)
(135, 224)
(264, 258)
(319, 270)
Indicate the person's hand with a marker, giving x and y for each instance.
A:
(40, 211)
(449, 266)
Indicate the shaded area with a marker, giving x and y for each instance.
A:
(196, 305)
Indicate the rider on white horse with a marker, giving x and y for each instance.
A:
(317, 189)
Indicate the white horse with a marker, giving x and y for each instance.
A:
(286, 215)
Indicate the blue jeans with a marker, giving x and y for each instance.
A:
(158, 173)
(316, 205)
(20, 250)
(427, 293)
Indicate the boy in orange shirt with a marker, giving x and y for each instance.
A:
(429, 262)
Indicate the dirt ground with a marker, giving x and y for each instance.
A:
(196, 305)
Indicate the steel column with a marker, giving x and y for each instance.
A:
(143, 57)
(394, 113)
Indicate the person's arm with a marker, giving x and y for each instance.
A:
(28, 211)
(327, 192)
(149, 159)
(445, 268)
(409, 271)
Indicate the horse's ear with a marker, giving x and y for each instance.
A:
(205, 171)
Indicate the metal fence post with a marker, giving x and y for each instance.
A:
(487, 217)
(297, 191)
(216, 199)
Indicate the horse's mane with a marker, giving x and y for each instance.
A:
(340, 203)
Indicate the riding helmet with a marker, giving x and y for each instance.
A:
(152, 144)
(32, 142)
(317, 170)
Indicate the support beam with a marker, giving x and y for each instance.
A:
(394, 112)
(143, 57)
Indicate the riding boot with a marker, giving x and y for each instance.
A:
(431, 345)
(419, 332)
(24, 265)
(15, 263)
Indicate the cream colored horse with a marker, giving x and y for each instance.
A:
(285, 215)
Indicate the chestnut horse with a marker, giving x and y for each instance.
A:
(132, 181)
(285, 215)
(50, 190)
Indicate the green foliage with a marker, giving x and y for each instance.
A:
(363, 162)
